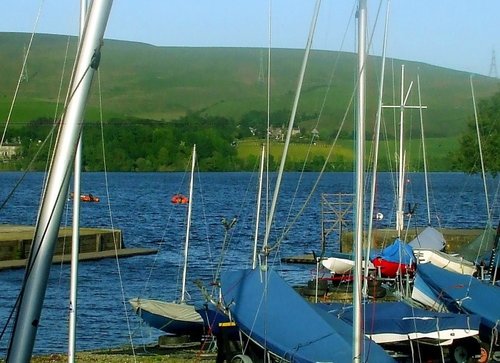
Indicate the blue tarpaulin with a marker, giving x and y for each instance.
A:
(272, 314)
(398, 252)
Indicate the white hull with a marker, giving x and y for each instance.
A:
(425, 296)
(443, 260)
(439, 337)
(336, 265)
(342, 266)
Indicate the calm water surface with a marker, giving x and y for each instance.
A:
(139, 205)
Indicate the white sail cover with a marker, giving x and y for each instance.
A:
(430, 239)
(170, 310)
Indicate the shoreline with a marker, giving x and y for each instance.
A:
(142, 354)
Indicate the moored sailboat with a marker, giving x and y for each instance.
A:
(445, 290)
(271, 314)
(397, 323)
(179, 317)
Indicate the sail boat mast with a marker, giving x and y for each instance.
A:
(75, 238)
(424, 157)
(257, 217)
(376, 149)
(188, 228)
(402, 155)
(360, 147)
(54, 196)
(277, 187)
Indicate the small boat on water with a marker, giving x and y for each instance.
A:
(179, 199)
(89, 198)
(86, 198)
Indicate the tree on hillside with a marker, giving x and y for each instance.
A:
(468, 158)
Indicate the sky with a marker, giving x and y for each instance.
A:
(458, 34)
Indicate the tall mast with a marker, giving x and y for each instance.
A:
(401, 180)
(483, 173)
(75, 238)
(360, 147)
(376, 148)
(55, 192)
(257, 217)
(279, 177)
(402, 155)
(423, 152)
(188, 227)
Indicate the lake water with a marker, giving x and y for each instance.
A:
(139, 205)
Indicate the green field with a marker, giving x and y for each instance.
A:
(438, 151)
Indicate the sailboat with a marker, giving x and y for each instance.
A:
(275, 317)
(444, 290)
(428, 246)
(269, 312)
(398, 322)
(397, 259)
(32, 294)
(178, 318)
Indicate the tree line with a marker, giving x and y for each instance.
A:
(151, 145)
(468, 157)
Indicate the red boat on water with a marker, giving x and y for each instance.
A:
(89, 198)
(179, 199)
(86, 198)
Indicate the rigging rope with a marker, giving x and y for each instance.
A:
(21, 74)
(115, 242)
(330, 152)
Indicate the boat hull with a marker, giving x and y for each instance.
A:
(171, 318)
(440, 288)
(443, 260)
(391, 269)
(395, 322)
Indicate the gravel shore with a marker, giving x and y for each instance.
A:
(127, 356)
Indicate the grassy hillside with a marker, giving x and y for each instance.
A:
(342, 156)
(163, 83)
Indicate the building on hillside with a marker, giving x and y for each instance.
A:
(9, 152)
(278, 133)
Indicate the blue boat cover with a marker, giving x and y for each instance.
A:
(462, 293)
(401, 318)
(272, 314)
(398, 252)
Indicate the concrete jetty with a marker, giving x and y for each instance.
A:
(95, 244)
(455, 238)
